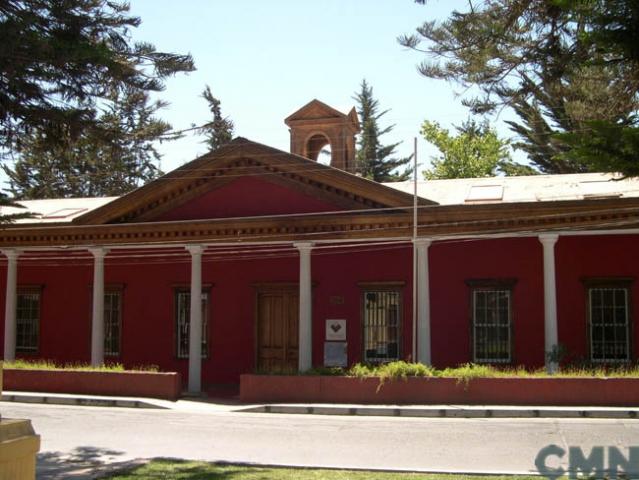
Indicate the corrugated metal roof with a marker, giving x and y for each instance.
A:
(57, 210)
(534, 188)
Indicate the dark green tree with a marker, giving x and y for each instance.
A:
(374, 160)
(608, 145)
(121, 157)
(60, 60)
(219, 130)
(536, 57)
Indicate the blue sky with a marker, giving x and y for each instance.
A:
(264, 60)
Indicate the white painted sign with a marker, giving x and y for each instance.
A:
(335, 354)
(336, 330)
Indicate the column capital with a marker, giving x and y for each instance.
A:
(422, 242)
(11, 253)
(304, 246)
(548, 238)
(195, 249)
(99, 252)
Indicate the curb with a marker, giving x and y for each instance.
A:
(439, 412)
(78, 401)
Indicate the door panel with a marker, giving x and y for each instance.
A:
(277, 330)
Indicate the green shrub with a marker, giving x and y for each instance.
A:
(392, 370)
(325, 371)
(20, 364)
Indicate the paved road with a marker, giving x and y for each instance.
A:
(75, 440)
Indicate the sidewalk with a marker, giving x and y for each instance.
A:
(195, 404)
(449, 411)
(69, 399)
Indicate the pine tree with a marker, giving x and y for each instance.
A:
(219, 130)
(60, 61)
(122, 157)
(536, 57)
(374, 160)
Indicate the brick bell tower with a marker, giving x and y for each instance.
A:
(316, 125)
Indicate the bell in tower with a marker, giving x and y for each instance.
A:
(316, 125)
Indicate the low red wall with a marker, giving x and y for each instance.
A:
(166, 385)
(622, 392)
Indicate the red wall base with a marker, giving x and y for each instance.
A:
(126, 384)
(621, 392)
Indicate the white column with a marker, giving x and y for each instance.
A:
(195, 320)
(305, 344)
(10, 305)
(550, 299)
(97, 317)
(423, 302)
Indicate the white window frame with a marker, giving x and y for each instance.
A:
(494, 325)
(610, 286)
(181, 314)
(34, 320)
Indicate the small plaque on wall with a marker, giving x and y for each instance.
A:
(336, 330)
(335, 354)
(336, 300)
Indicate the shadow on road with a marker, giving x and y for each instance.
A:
(82, 463)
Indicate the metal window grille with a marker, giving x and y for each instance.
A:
(27, 321)
(382, 319)
(609, 325)
(182, 317)
(112, 322)
(491, 326)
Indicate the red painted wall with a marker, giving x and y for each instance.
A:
(583, 257)
(339, 275)
(148, 328)
(148, 310)
(245, 197)
(452, 263)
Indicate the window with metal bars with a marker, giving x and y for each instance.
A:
(609, 322)
(182, 322)
(382, 325)
(112, 322)
(27, 320)
(492, 325)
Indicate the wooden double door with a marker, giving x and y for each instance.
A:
(277, 328)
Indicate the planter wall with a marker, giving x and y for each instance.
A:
(127, 384)
(622, 392)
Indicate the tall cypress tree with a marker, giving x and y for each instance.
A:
(220, 129)
(374, 160)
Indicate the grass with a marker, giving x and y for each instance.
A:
(168, 469)
(401, 370)
(20, 364)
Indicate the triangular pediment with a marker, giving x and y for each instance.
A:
(315, 110)
(330, 188)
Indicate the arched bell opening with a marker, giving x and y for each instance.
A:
(316, 148)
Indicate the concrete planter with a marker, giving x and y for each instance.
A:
(127, 384)
(621, 392)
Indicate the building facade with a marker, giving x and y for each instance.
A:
(253, 259)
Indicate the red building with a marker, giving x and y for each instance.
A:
(280, 263)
